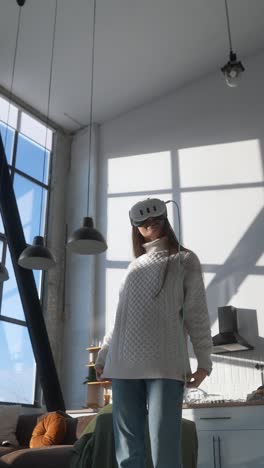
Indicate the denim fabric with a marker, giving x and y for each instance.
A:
(160, 402)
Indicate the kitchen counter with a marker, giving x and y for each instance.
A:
(223, 404)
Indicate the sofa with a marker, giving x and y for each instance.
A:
(55, 456)
(94, 449)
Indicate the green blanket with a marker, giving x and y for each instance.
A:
(96, 449)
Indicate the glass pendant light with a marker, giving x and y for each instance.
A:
(37, 256)
(233, 69)
(87, 240)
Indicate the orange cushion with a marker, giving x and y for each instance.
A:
(50, 430)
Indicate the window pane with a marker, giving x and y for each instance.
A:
(8, 140)
(28, 197)
(11, 302)
(8, 112)
(1, 250)
(38, 276)
(32, 159)
(17, 365)
(35, 130)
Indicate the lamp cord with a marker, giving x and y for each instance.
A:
(48, 109)
(11, 90)
(91, 107)
(12, 82)
(228, 26)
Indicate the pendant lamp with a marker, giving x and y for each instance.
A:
(37, 256)
(87, 240)
(233, 69)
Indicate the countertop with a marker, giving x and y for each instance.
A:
(223, 404)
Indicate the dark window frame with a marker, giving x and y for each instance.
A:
(13, 170)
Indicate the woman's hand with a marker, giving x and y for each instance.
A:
(194, 380)
(99, 370)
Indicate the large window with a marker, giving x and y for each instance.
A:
(28, 149)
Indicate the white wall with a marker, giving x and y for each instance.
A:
(53, 301)
(203, 146)
(79, 285)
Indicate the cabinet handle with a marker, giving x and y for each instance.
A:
(214, 451)
(218, 417)
(219, 451)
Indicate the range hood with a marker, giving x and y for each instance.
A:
(228, 339)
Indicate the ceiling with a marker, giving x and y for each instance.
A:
(143, 49)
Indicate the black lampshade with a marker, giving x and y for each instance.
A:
(4, 276)
(87, 240)
(36, 256)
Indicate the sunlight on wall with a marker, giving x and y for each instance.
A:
(221, 193)
(208, 277)
(222, 198)
(214, 221)
(130, 179)
(139, 173)
(250, 294)
(260, 261)
(228, 163)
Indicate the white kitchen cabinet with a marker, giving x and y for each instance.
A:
(241, 449)
(205, 450)
(229, 437)
(226, 449)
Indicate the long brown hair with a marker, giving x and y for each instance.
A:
(138, 240)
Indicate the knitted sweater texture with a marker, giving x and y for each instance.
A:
(153, 320)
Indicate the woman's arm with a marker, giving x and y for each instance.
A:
(101, 357)
(196, 317)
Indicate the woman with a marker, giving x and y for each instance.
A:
(162, 299)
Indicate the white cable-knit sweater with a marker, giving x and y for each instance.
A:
(149, 338)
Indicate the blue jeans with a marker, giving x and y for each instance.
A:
(161, 400)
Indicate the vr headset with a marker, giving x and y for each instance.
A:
(150, 208)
